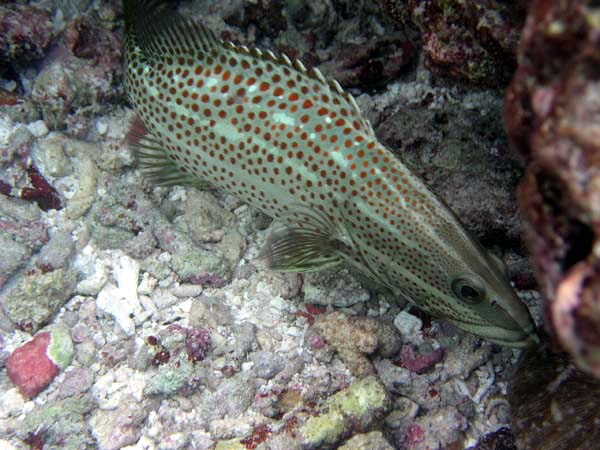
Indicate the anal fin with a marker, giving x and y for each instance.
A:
(307, 242)
(154, 162)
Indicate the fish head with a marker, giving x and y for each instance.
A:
(502, 317)
(477, 296)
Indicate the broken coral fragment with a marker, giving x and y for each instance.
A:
(354, 338)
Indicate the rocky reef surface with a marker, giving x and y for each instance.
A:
(142, 310)
(473, 40)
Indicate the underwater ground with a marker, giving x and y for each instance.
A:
(138, 317)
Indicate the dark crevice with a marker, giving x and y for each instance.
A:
(578, 241)
(576, 236)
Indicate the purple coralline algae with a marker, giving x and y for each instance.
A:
(197, 343)
(25, 32)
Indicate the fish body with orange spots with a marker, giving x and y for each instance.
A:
(293, 144)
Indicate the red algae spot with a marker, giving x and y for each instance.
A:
(5, 188)
(259, 434)
(162, 356)
(414, 435)
(42, 193)
(35, 441)
(9, 99)
(309, 317)
(315, 309)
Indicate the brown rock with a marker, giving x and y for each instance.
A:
(552, 113)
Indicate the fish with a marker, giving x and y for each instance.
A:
(292, 143)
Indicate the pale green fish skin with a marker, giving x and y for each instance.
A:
(287, 141)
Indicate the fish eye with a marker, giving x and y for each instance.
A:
(468, 290)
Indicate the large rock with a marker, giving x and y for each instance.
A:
(552, 113)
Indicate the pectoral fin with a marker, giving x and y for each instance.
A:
(308, 241)
(153, 161)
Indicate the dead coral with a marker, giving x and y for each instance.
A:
(356, 337)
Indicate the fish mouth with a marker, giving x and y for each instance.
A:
(507, 337)
(529, 341)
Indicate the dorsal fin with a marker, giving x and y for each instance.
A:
(313, 73)
(159, 29)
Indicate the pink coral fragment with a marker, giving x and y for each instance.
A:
(414, 435)
(421, 363)
(30, 368)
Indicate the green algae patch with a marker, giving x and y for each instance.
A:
(230, 444)
(36, 297)
(62, 423)
(325, 429)
(354, 409)
(170, 378)
(61, 349)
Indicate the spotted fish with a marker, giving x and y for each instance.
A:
(292, 143)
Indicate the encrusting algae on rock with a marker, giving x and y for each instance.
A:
(286, 140)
